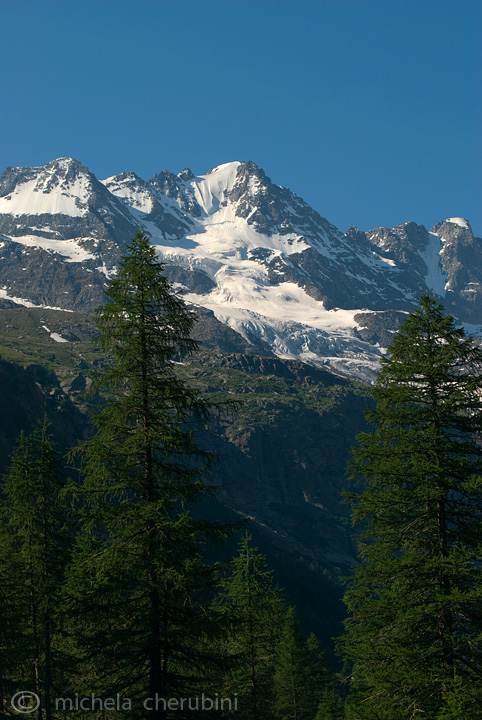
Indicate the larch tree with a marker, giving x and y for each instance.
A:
(255, 610)
(300, 672)
(34, 550)
(331, 705)
(139, 587)
(414, 634)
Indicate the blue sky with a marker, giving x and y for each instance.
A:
(371, 110)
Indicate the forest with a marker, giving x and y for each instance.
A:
(119, 599)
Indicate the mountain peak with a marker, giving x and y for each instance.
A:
(126, 176)
(453, 227)
(461, 222)
(186, 175)
(225, 167)
(61, 186)
(66, 161)
(250, 251)
(64, 167)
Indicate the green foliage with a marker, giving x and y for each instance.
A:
(255, 610)
(292, 433)
(416, 597)
(461, 700)
(331, 705)
(136, 614)
(24, 339)
(14, 635)
(300, 673)
(138, 587)
(273, 668)
(34, 546)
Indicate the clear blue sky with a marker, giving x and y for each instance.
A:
(371, 110)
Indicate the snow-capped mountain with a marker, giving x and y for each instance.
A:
(250, 251)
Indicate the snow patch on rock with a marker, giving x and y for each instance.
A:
(461, 222)
(436, 278)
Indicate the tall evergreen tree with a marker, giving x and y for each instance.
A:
(139, 585)
(331, 705)
(415, 631)
(319, 676)
(300, 672)
(14, 638)
(256, 609)
(34, 546)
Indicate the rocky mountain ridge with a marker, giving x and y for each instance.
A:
(250, 252)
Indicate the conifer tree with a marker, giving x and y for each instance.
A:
(300, 673)
(331, 705)
(319, 676)
(256, 609)
(139, 586)
(34, 546)
(14, 639)
(415, 631)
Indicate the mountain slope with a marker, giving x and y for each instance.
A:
(282, 454)
(249, 251)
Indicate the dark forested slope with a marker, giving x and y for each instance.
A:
(282, 454)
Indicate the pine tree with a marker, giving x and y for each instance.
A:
(34, 547)
(319, 676)
(331, 705)
(139, 586)
(300, 672)
(416, 597)
(14, 638)
(255, 609)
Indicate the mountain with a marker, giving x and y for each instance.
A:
(282, 453)
(269, 277)
(253, 254)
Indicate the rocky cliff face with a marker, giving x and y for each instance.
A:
(247, 250)
(461, 260)
(447, 261)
